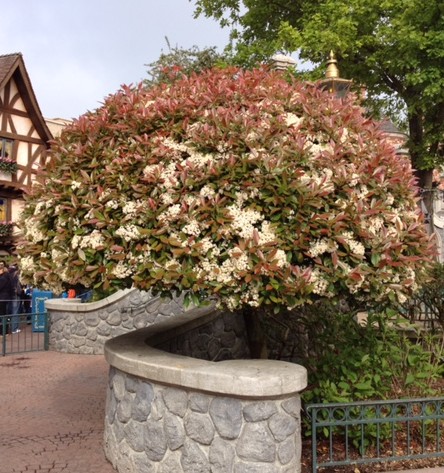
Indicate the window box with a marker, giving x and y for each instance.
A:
(5, 229)
(8, 165)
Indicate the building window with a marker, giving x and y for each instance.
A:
(7, 163)
(5, 225)
(3, 209)
(5, 148)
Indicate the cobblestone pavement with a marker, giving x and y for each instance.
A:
(51, 413)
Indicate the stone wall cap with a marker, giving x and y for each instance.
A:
(132, 353)
(77, 306)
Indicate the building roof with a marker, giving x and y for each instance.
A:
(13, 66)
(387, 126)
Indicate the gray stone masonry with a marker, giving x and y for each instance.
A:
(84, 328)
(216, 337)
(171, 413)
(156, 428)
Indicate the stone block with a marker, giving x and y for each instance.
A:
(256, 444)
(226, 414)
(258, 411)
(114, 318)
(174, 431)
(282, 426)
(155, 440)
(199, 402)
(199, 428)
(91, 319)
(193, 459)
(176, 401)
(287, 451)
(242, 467)
(124, 409)
(293, 407)
(221, 456)
(135, 435)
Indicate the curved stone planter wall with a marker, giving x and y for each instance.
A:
(168, 413)
(84, 328)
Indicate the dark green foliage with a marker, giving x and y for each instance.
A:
(428, 303)
(395, 48)
(177, 62)
(382, 357)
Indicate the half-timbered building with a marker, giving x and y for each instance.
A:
(24, 142)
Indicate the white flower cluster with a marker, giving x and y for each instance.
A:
(206, 245)
(169, 176)
(207, 192)
(94, 240)
(356, 247)
(112, 204)
(344, 135)
(128, 232)
(322, 178)
(172, 264)
(228, 272)
(39, 207)
(191, 200)
(32, 232)
(362, 192)
(243, 196)
(321, 246)
(198, 159)
(238, 260)
(320, 284)
(131, 208)
(192, 228)
(166, 198)
(27, 264)
(64, 275)
(170, 214)
(243, 220)
(355, 285)
(104, 195)
(375, 224)
(57, 255)
(252, 137)
(167, 173)
(280, 258)
(354, 179)
(121, 271)
(341, 203)
(75, 185)
(151, 169)
(390, 200)
(315, 149)
(266, 234)
(292, 120)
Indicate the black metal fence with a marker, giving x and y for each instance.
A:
(376, 431)
(23, 333)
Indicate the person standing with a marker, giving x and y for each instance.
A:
(15, 302)
(5, 292)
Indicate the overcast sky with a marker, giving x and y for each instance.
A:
(77, 52)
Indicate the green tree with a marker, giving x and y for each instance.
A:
(393, 47)
(179, 61)
(230, 184)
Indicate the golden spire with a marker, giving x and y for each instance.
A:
(332, 67)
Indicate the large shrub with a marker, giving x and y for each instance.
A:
(228, 184)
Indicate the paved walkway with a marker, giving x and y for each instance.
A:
(51, 414)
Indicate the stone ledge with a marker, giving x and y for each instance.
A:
(77, 306)
(133, 353)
